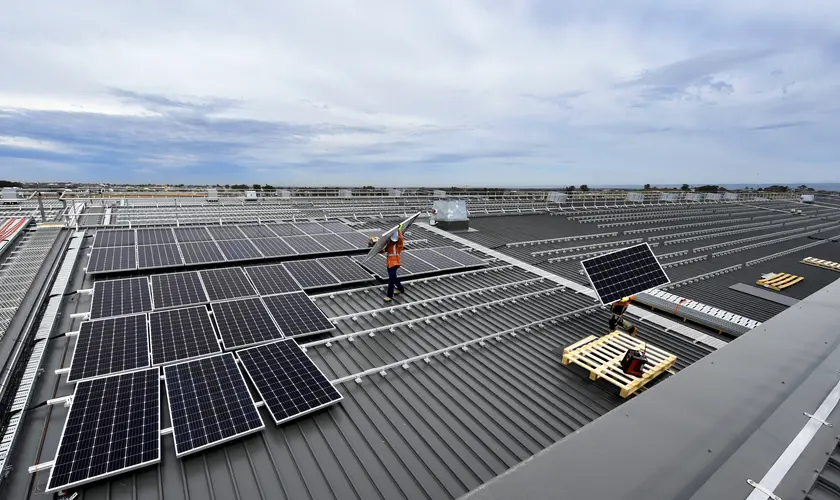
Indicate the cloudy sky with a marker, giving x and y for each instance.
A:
(426, 92)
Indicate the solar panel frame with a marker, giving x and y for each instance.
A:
(227, 283)
(285, 230)
(192, 234)
(159, 256)
(255, 363)
(172, 376)
(92, 344)
(273, 247)
(201, 252)
(312, 228)
(631, 259)
(305, 245)
(345, 269)
(226, 232)
(337, 227)
(112, 259)
(186, 287)
(277, 306)
(244, 323)
(139, 297)
(234, 250)
(171, 344)
(256, 231)
(149, 425)
(310, 274)
(460, 256)
(272, 279)
(105, 238)
(155, 236)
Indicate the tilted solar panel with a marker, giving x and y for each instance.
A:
(109, 346)
(359, 241)
(345, 269)
(415, 265)
(310, 274)
(624, 272)
(273, 247)
(312, 228)
(337, 227)
(179, 334)
(112, 259)
(271, 279)
(155, 236)
(178, 290)
(201, 252)
(192, 234)
(114, 238)
(334, 242)
(285, 230)
(460, 256)
(435, 259)
(120, 297)
(305, 244)
(257, 231)
(226, 233)
(156, 256)
(226, 283)
(244, 322)
(239, 249)
(296, 314)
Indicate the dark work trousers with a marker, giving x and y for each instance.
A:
(394, 281)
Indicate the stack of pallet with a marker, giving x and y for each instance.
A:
(825, 264)
(779, 281)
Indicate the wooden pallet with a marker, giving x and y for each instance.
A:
(779, 281)
(825, 264)
(602, 357)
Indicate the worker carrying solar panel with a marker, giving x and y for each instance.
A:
(619, 307)
(393, 249)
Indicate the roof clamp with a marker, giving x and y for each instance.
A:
(383, 373)
(372, 334)
(328, 344)
(447, 353)
(812, 417)
(351, 339)
(358, 380)
(764, 490)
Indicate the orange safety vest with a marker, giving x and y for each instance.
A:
(392, 252)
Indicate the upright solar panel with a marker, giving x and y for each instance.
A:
(112, 259)
(110, 346)
(113, 426)
(297, 315)
(271, 279)
(334, 242)
(285, 230)
(120, 297)
(460, 256)
(287, 380)
(177, 290)
(312, 228)
(310, 274)
(273, 247)
(257, 231)
(227, 283)
(179, 334)
(201, 252)
(624, 272)
(305, 244)
(114, 238)
(337, 227)
(345, 269)
(210, 403)
(226, 233)
(192, 234)
(156, 256)
(359, 241)
(239, 249)
(155, 236)
(439, 261)
(244, 322)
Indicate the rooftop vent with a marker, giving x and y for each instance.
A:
(250, 196)
(10, 195)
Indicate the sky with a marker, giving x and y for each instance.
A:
(426, 92)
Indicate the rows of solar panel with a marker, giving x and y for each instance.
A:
(244, 322)
(114, 238)
(109, 346)
(287, 380)
(226, 233)
(110, 259)
(345, 269)
(296, 314)
(201, 252)
(624, 272)
(156, 256)
(257, 231)
(113, 426)
(179, 334)
(226, 283)
(423, 261)
(210, 403)
(177, 290)
(273, 247)
(272, 278)
(304, 244)
(238, 249)
(120, 297)
(190, 234)
(310, 274)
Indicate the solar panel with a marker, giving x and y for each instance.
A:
(226, 233)
(435, 259)
(180, 334)
(460, 256)
(296, 314)
(154, 256)
(110, 346)
(359, 241)
(177, 290)
(285, 230)
(310, 274)
(272, 279)
(210, 403)
(345, 269)
(244, 322)
(227, 283)
(334, 242)
(113, 426)
(304, 244)
(104, 260)
(155, 236)
(287, 380)
(624, 272)
(337, 227)
(239, 249)
(114, 238)
(190, 234)
(273, 247)
(415, 265)
(201, 252)
(311, 228)
(120, 297)
(257, 231)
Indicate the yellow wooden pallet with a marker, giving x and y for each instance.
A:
(602, 357)
(779, 281)
(825, 264)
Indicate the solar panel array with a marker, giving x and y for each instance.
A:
(151, 248)
(423, 261)
(624, 272)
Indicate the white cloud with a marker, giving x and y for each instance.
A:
(36, 144)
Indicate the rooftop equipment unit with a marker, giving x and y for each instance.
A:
(345, 193)
(451, 215)
(10, 195)
(557, 197)
(212, 195)
(806, 198)
(250, 196)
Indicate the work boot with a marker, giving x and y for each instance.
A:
(399, 292)
(387, 300)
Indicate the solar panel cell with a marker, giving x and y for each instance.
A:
(296, 314)
(177, 290)
(155, 256)
(191, 234)
(345, 269)
(226, 233)
(304, 245)
(114, 238)
(155, 236)
(272, 279)
(624, 272)
(310, 274)
(273, 247)
(238, 249)
(226, 283)
(120, 297)
(180, 334)
(112, 259)
(201, 252)
(210, 403)
(288, 381)
(110, 346)
(244, 322)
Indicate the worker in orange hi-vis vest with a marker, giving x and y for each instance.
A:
(619, 307)
(393, 249)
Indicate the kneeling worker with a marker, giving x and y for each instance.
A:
(619, 307)
(393, 249)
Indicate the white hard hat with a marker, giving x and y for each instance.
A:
(395, 236)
